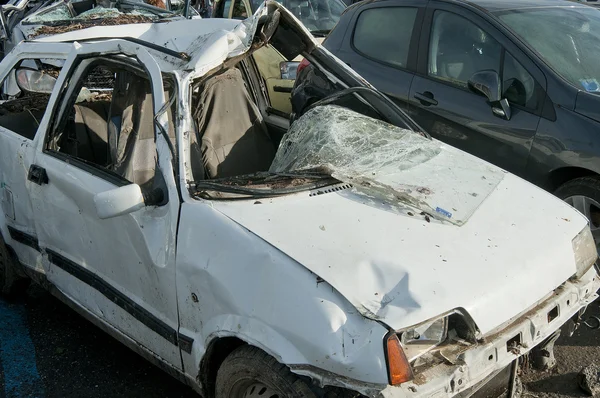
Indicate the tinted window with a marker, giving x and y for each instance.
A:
(226, 6)
(384, 34)
(239, 10)
(458, 49)
(518, 86)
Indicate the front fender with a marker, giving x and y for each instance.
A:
(232, 283)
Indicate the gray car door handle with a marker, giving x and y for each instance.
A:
(426, 98)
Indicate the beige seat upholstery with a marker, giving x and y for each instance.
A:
(131, 130)
(90, 130)
(235, 140)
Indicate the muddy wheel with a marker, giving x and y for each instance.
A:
(10, 283)
(584, 195)
(250, 373)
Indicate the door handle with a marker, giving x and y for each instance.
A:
(426, 98)
(37, 175)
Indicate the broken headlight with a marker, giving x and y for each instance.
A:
(420, 339)
(446, 336)
(584, 249)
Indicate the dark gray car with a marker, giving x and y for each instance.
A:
(516, 83)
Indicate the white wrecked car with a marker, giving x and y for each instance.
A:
(151, 186)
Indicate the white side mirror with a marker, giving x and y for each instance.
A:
(119, 201)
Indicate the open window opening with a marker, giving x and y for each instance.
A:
(25, 94)
(232, 136)
(106, 124)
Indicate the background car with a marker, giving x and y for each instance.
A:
(516, 84)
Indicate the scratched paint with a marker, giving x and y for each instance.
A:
(17, 354)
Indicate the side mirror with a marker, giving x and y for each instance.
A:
(119, 201)
(35, 81)
(487, 82)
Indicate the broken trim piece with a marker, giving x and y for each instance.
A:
(114, 295)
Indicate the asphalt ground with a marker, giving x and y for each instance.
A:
(49, 351)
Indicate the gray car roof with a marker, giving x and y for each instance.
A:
(502, 5)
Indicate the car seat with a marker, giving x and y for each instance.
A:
(234, 137)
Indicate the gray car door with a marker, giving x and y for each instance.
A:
(380, 43)
(458, 45)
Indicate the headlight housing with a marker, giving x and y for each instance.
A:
(405, 348)
(585, 252)
(424, 337)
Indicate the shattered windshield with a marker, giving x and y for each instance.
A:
(353, 146)
(392, 165)
(386, 166)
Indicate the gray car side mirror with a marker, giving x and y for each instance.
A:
(487, 82)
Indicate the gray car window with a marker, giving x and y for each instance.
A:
(384, 34)
(458, 48)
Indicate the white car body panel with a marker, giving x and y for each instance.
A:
(389, 265)
(315, 281)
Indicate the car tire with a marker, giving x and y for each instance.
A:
(11, 284)
(584, 194)
(250, 372)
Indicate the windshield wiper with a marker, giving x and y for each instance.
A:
(246, 185)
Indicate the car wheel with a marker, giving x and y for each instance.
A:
(251, 373)
(584, 195)
(10, 283)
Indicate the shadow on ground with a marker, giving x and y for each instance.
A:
(76, 359)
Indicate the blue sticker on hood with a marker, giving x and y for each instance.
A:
(443, 212)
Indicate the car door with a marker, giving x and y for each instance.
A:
(101, 136)
(20, 113)
(380, 44)
(459, 44)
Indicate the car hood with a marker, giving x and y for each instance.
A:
(402, 269)
(498, 247)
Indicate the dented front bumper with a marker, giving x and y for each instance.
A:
(499, 349)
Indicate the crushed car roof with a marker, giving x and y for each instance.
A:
(190, 44)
